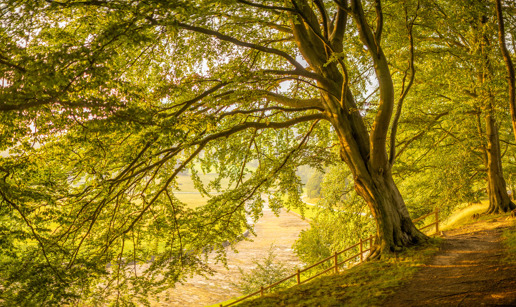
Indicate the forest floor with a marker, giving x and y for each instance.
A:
(472, 268)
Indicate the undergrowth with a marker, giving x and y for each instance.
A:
(363, 285)
(509, 240)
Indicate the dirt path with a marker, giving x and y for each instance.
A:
(468, 271)
(281, 231)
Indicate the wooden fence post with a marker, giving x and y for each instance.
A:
(336, 259)
(437, 220)
(336, 262)
(361, 250)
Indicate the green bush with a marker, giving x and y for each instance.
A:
(265, 272)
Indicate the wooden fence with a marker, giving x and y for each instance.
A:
(357, 259)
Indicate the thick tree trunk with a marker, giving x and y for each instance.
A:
(375, 184)
(395, 229)
(499, 200)
(363, 150)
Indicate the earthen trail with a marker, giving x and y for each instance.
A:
(468, 271)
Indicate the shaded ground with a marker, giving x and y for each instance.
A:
(468, 271)
(281, 231)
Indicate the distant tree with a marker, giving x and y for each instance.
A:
(511, 78)
(457, 142)
(313, 186)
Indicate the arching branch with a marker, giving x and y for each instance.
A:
(339, 28)
(315, 103)
(203, 142)
(267, 7)
(404, 91)
(237, 42)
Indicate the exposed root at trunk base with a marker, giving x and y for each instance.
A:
(375, 254)
(496, 209)
(380, 250)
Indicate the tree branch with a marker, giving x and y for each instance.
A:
(324, 17)
(4, 60)
(378, 137)
(237, 42)
(407, 142)
(261, 125)
(315, 103)
(190, 102)
(337, 36)
(279, 8)
(404, 91)
(379, 21)
(273, 108)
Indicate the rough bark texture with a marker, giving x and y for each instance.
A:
(499, 200)
(394, 225)
(363, 151)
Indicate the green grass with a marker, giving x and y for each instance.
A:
(463, 216)
(225, 302)
(363, 285)
(509, 240)
(189, 195)
(309, 212)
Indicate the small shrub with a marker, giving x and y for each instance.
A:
(265, 272)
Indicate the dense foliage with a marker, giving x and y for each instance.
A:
(104, 103)
(266, 271)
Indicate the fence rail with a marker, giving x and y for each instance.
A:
(334, 259)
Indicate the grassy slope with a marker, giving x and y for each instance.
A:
(363, 285)
(463, 216)
(370, 283)
(509, 240)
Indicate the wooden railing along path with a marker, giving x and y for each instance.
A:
(335, 260)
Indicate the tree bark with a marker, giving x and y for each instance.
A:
(363, 151)
(499, 200)
(394, 227)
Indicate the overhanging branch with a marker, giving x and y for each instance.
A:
(237, 42)
(315, 103)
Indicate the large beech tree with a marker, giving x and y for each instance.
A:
(112, 101)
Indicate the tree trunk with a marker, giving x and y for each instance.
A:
(499, 200)
(363, 150)
(395, 229)
(374, 182)
(511, 78)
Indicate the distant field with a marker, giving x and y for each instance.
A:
(189, 194)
